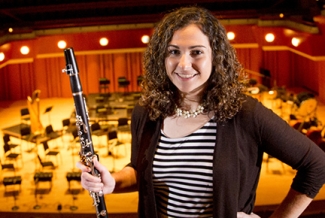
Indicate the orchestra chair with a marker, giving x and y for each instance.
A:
(98, 131)
(123, 126)
(113, 145)
(73, 176)
(47, 111)
(51, 134)
(67, 127)
(49, 152)
(45, 164)
(104, 85)
(11, 155)
(102, 112)
(123, 82)
(100, 100)
(11, 180)
(41, 177)
(24, 116)
(75, 143)
(25, 135)
(7, 166)
(6, 140)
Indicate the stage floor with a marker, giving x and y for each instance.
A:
(273, 185)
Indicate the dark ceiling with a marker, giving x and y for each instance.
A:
(30, 15)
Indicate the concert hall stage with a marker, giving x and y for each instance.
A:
(101, 108)
(57, 200)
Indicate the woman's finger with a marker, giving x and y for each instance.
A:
(82, 167)
(245, 215)
(91, 183)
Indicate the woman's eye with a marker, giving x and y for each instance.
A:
(196, 52)
(173, 52)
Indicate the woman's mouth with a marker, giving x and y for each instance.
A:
(186, 76)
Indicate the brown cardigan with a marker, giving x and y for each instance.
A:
(238, 155)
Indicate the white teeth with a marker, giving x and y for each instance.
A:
(186, 75)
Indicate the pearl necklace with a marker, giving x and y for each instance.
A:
(188, 114)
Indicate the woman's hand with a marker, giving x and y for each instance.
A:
(106, 183)
(244, 215)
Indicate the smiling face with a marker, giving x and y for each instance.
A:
(189, 60)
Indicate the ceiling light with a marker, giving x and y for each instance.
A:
(2, 56)
(62, 44)
(103, 41)
(24, 50)
(295, 41)
(231, 35)
(269, 37)
(145, 39)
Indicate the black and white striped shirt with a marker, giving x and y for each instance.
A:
(182, 173)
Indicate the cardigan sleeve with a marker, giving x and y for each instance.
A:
(137, 114)
(293, 148)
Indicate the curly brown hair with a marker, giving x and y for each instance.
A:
(224, 91)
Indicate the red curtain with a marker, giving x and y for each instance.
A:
(19, 80)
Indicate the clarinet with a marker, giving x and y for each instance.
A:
(87, 149)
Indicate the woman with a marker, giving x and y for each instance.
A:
(197, 140)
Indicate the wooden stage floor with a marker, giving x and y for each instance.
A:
(58, 200)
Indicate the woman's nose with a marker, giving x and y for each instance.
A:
(185, 62)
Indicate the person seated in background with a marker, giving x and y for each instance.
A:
(197, 139)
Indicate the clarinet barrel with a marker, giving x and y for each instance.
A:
(87, 149)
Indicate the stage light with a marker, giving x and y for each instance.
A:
(281, 15)
(103, 41)
(269, 37)
(62, 44)
(295, 41)
(24, 50)
(231, 35)
(10, 30)
(145, 39)
(2, 56)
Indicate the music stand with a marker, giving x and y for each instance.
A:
(48, 110)
(103, 84)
